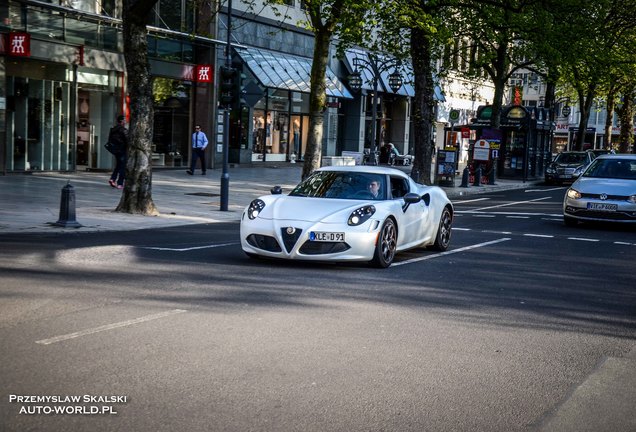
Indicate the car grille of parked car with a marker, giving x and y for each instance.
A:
(566, 171)
(321, 248)
(290, 237)
(267, 243)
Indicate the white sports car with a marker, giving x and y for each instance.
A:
(348, 213)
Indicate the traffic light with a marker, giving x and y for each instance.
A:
(229, 89)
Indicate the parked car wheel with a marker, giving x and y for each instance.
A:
(386, 245)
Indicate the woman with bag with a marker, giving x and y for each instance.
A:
(118, 138)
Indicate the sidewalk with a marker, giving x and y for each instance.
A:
(31, 202)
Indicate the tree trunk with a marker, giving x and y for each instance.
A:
(317, 102)
(585, 106)
(423, 105)
(607, 130)
(626, 117)
(137, 194)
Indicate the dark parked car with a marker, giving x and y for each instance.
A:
(567, 166)
(597, 152)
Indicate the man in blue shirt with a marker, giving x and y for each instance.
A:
(199, 143)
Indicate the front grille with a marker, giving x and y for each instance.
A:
(289, 240)
(609, 197)
(264, 242)
(323, 248)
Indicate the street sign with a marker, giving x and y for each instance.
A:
(482, 150)
(453, 116)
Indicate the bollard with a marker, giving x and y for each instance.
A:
(492, 174)
(477, 176)
(67, 208)
(465, 175)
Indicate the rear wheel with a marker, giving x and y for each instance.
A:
(386, 245)
(442, 240)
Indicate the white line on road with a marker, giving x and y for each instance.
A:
(583, 239)
(620, 243)
(109, 327)
(539, 235)
(513, 203)
(461, 229)
(518, 217)
(484, 215)
(543, 190)
(449, 252)
(191, 248)
(470, 200)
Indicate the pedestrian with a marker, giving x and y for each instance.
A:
(118, 137)
(199, 143)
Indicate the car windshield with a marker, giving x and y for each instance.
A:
(342, 185)
(571, 158)
(612, 168)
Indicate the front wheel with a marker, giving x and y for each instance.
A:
(386, 245)
(442, 240)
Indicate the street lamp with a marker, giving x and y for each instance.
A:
(375, 66)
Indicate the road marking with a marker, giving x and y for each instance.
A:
(109, 327)
(539, 235)
(484, 215)
(449, 252)
(583, 239)
(461, 229)
(620, 243)
(518, 217)
(544, 190)
(470, 200)
(513, 203)
(191, 248)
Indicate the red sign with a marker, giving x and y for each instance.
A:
(204, 73)
(465, 133)
(20, 44)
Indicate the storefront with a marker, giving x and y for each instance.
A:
(272, 123)
(523, 142)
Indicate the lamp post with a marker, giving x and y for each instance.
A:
(225, 175)
(375, 66)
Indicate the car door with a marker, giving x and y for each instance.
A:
(412, 218)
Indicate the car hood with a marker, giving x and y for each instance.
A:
(603, 185)
(310, 209)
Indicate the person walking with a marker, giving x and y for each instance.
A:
(199, 143)
(118, 136)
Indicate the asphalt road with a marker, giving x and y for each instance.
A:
(493, 335)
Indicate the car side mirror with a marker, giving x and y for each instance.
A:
(276, 190)
(410, 198)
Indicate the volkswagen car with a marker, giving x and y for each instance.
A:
(606, 191)
(348, 213)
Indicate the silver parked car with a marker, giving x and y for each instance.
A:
(606, 191)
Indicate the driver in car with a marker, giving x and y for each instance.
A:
(374, 188)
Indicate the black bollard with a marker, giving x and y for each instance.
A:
(477, 181)
(67, 208)
(465, 176)
(492, 174)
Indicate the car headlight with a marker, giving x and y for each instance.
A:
(632, 199)
(361, 215)
(549, 170)
(255, 208)
(574, 194)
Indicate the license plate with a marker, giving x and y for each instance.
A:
(602, 207)
(327, 236)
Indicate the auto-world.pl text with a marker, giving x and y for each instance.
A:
(67, 405)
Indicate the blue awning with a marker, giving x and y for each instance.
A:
(287, 72)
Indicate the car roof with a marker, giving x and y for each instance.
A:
(617, 156)
(370, 169)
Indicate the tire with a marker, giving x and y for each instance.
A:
(386, 245)
(570, 221)
(443, 237)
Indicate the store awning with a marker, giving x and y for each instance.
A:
(405, 69)
(287, 72)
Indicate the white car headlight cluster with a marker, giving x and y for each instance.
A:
(574, 194)
(255, 208)
(632, 199)
(361, 215)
